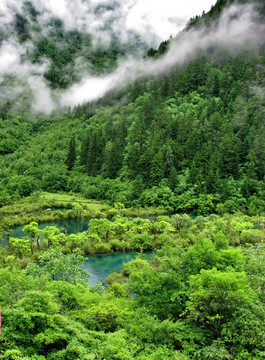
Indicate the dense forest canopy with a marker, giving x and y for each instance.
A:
(190, 140)
(184, 134)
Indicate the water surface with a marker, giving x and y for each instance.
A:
(101, 266)
(69, 226)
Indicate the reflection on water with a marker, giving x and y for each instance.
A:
(69, 226)
(100, 266)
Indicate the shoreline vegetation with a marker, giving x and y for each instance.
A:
(188, 141)
(194, 298)
(112, 229)
(47, 207)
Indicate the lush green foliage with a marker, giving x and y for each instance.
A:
(191, 142)
(199, 298)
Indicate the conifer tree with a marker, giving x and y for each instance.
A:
(84, 150)
(71, 156)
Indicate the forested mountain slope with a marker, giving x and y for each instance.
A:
(182, 130)
(191, 140)
(43, 54)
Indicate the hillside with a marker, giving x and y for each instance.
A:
(191, 140)
(42, 54)
(153, 149)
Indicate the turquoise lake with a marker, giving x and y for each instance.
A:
(100, 266)
(69, 226)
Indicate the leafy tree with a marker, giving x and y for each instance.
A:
(20, 247)
(215, 297)
(33, 231)
(60, 267)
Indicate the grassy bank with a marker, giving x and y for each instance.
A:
(51, 207)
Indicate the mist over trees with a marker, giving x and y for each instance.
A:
(191, 140)
(184, 137)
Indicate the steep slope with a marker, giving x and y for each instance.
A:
(191, 141)
(41, 53)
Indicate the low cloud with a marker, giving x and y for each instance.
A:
(25, 73)
(154, 22)
(10, 61)
(43, 101)
(9, 58)
(165, 17)
(236, 26)
(91, 88)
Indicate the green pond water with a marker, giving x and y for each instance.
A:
(100, 266)
(69, 226)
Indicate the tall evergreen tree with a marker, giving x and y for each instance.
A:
(71, 156)
(228, 153)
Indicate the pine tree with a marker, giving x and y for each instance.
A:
(229, 157)
(84, 150)
(137, 187)
(157, 170)
(71, 156)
